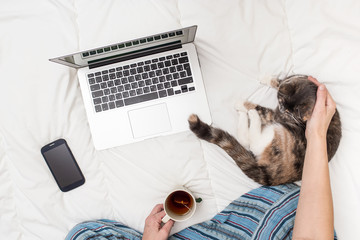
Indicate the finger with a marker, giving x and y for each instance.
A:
(314, 80)
(168, 226)
(330, 101)
(159, 216)
(321, 97)
(157, 208)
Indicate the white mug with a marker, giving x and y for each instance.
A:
(179, 205)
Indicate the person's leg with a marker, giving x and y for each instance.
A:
(102, 229)
(262, 213)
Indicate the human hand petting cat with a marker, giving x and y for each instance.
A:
(322, 114)
(153, 229)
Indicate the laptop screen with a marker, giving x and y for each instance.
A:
(128, 48)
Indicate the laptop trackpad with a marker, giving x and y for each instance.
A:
(149, 120)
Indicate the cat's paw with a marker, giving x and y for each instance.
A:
(270, 81)
(249, 105)
(239, 106)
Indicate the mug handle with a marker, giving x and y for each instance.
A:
(165, 219)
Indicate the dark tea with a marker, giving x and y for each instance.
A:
(179, 202)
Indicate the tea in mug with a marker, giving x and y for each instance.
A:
(179, 202)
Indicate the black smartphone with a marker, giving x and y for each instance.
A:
(63, 165)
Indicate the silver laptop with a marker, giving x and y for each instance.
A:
(142, 88)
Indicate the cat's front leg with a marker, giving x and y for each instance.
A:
(243, 124)
(266, 114)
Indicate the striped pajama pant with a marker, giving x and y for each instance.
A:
(263, 213)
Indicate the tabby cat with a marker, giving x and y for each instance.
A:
(271, 150)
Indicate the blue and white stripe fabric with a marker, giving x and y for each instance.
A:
(263, 213)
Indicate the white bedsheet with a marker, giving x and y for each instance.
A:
(239, 43)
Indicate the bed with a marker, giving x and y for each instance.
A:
(239, 43)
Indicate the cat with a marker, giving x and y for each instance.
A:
(272, 148)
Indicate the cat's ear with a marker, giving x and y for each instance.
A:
(270, 81)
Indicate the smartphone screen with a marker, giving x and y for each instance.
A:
(62, 164)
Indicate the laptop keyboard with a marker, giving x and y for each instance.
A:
(142, 81)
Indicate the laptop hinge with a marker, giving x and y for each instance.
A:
(142, 53)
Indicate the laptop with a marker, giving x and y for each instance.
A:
(141, 88)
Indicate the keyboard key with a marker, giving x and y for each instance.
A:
(182, 74)
(183, 60)
(153, 88)
(139, 91)
(98, 79)
(105, 99)
(111, 105)
(160, 86)
(127, 87)
(187, 69)
(96, 94)
(162, 79)
(95, 87)
(131, 79)
(118, 96)
(105, 77)
(98, 108)
(162, 93)
(170, 92)
(140, 69)
(184, 88)
(119, 103)
(113, 90)
(167, 85)
(132, 93)
(141, 84)
(97, 101)
(112, 98)
(110, 84)
(117, 82)
(146, 89)
(185, 80)
(153, 66)
(174, 83)
(191, 88)
(142, 98)
(105, 106)
(174, 62)
(120, 88)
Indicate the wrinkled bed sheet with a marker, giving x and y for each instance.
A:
(239, 42)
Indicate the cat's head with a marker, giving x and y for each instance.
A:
(297, 97)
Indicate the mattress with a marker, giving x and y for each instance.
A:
(239, 42)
